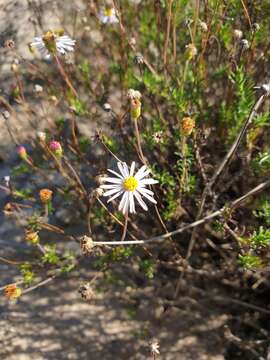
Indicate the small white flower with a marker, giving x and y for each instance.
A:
(108, 16)
(130, 186)
(53, 42)
(38, 88)
(7, 180)
(154, 347)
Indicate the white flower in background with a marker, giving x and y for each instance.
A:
(38, 88)
(53, 42)
(154, 347)
(108, 16)
(131, 186)
(7, 180)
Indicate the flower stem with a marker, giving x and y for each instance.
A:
(125, 228)
(65, 76)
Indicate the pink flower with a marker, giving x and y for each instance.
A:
(56, 148)
(21, 151)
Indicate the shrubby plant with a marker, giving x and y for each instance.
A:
(182, 125)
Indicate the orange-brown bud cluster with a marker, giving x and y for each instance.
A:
(45, 195)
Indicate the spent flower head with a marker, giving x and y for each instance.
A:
(53, 42)
(86, 291)
(32, 236)
(45, 195)
(191, 51)
(131, 185)
(134, 94)
(187, 125)
(12, 291)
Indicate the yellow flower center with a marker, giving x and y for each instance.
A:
(49, 41)
(108, 12)
(130, 183)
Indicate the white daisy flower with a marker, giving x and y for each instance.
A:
(131, 187)
(108, 16)
(53, 42)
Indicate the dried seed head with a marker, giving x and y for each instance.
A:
(86, 244)
(191, 51)
(237, 34)
(255, 27)
(86, 291)
(203, 26)
(5, 114)
(132, 41)
(139, 58)
(107, 107)
(41, 136)
(32, 236)
(12, 291)
(9, 44)
(100, 178)
(245, 44)
(187, 126)
(134, 94)
(45, 195)
(98, 192)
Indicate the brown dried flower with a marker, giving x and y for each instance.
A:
(45, 195)
(187, 126)
(86, 291)
(86, 244)
(12, 291)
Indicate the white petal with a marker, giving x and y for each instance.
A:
(148, 182)
(115, 196)
(131, 203)
(126, 205)
(149, 192)
(140, 172)
(150, 198)
(115, 173)
(126, 170)
(110, 186)
(144, 174)
(113, 180)
(121, 168)
(140, 201)
(111, 192)
(132, 168)
(123, 201)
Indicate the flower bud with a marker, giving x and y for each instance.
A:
(45, 195)
(135, 109)
(12, 291)
(56, 148)
(187, 126)
(21, 151)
